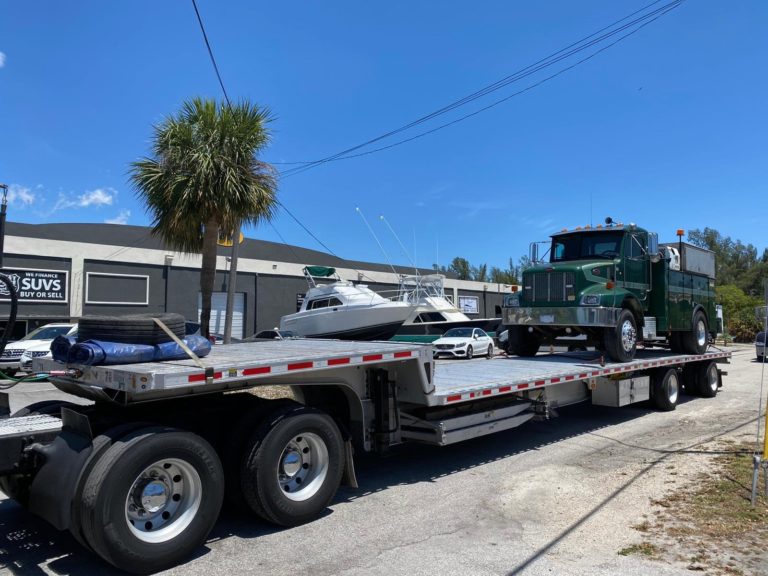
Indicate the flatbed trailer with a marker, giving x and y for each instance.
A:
(140, 475)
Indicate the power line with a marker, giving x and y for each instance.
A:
(566, 52)
(210, 53)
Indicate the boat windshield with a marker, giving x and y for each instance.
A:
(586, 246)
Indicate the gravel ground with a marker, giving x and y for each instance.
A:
(551, 497)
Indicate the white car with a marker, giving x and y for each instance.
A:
(463, 343)
(43, 336)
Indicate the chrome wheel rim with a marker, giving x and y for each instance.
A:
(163, 500)
(672, 388)
(469, 352)
(303, 466)
(701, 333)
(713, 381)
(628, 335)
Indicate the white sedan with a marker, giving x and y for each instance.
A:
(463, 343)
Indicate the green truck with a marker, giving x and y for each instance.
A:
(614, 287)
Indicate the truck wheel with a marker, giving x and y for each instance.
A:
(695, 341)
(130, 329)
(522, 342)
(294, 466)
(707, 380)
(666, 389)
(470, 352)
(621, 342)
(151, 499)
(16, 486)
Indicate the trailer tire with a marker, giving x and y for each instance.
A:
(521, 342)
(695, 340)
(666, 389)
(130, 329)
(152, 498)
(707, 380)
(16, 486)
(621, 342)
(294, 466)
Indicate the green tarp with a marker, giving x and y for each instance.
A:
(321, 271)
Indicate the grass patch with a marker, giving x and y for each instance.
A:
(643, 549)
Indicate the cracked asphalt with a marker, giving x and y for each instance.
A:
(551, 497)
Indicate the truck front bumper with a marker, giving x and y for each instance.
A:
(573, 316)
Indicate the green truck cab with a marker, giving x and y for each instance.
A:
(616, 286)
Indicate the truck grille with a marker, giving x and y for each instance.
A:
(550, 287)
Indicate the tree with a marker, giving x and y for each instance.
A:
(204, 178)
(460, 266)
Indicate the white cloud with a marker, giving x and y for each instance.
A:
(20, 195)
(98, 197)
(2, 59)
(121, 218)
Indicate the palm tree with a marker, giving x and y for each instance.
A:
(204, 177)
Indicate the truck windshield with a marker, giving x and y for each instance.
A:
(586, 246)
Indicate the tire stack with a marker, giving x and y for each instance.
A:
(130, 329)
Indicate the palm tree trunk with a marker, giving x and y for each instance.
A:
(208, 273)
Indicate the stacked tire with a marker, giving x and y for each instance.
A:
(130, 329)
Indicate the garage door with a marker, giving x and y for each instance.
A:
(218, 313)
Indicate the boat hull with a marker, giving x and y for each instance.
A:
(348, 323)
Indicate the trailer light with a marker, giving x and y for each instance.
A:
(680, 232)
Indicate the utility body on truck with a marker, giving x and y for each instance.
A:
(139, 476)
(615, 286)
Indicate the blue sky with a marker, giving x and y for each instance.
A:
(666, 129)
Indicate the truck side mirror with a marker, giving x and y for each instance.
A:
(653, 247)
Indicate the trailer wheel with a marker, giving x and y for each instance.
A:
(16, 486)
(470, 352)
(134, 328)
(695, 341)
(521, 342)
(294, 466)
(666, 389)
(151, 499)
(707, 380)
(621, 341)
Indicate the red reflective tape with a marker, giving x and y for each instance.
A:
(261, 370)
(300, 366)
(402, 354)
(486, 392)
(201, 377)
(555, 380)
(583, 376)
(372, 357)
(337, 361)
(471, 394)
(522, 386)
(596, 373)
(505, 389)
(570, 377)
(539, 383)
(454, 398)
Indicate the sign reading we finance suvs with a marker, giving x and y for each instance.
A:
(36, 285)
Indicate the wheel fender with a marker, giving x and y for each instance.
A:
(701, 308)
(631, 304)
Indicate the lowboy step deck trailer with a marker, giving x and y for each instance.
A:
(140, 475)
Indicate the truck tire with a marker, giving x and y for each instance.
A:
(707, 379)
(294, 466)
(521, 342)
(695, 340)
(666, 389)
(16, 486)
(130, 329)
(621, 342)
(151, 499)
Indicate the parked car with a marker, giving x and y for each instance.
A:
(10, 360)
(463, 343)
(274, 334)
(760, 346)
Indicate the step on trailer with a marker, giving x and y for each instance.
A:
(140, 475)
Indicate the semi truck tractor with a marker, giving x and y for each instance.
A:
(616, 287)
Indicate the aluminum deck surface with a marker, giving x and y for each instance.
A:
(458, 380)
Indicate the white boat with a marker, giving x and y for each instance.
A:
(344, 310)
(433, 313)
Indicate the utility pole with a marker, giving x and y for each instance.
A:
(3, 210)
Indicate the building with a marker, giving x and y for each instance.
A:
(65, 271)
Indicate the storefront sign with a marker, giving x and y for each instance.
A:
(36, 285)
(469, 304)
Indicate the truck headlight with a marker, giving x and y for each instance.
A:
(590, 300)
(512, 300)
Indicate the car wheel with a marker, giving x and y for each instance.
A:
(470, 353)
(490, 350)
